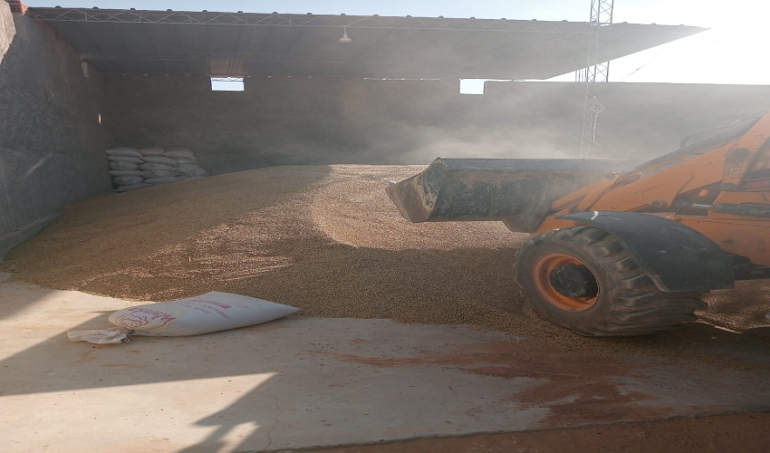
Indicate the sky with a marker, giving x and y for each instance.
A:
(733, 51)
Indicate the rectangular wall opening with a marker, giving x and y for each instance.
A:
(227, 84)
(476, 86)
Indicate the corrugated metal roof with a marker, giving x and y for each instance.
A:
(244, 44)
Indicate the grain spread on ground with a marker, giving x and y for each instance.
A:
(325, 239)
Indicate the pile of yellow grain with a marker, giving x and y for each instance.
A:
(325, 239)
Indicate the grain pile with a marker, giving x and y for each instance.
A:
(325, 239)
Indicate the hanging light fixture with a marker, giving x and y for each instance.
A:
(345, 39)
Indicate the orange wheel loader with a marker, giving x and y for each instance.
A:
(618, 253)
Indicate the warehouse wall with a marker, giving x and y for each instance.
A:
(285, 121)
(278, 121)
(51, 144)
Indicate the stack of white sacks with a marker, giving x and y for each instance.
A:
(138, 168)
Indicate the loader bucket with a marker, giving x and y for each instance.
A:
(518, 191)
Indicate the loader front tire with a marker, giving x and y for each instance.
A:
(583, 279)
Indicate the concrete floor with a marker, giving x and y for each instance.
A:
(303, 382)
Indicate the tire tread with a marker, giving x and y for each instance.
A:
(637, 306)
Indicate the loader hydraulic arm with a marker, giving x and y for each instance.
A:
(701, 186)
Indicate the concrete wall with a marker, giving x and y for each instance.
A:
(278, 121)
(51, 144)
(285, 121)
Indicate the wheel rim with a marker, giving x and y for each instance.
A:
(542, 277)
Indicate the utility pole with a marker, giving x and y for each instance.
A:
(595, 75)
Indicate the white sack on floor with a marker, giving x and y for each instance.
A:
(154, 173)
(127, 180)
(129, 152)
(151, 151)
(153, 166)
(133, 160)
(208, 313)
(160, 160)
(191, 170)
(127, 173)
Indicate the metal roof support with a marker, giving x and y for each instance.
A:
(250, 44)
(304, 20)
(596, 73)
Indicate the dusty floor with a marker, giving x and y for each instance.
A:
(741, 433)
(327, 240)
(307, 382)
